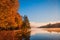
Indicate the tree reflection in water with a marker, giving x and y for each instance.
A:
(26, 36)
(22, 36)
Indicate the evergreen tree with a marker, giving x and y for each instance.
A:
(26, 23)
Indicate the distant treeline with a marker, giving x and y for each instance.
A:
(56, 25)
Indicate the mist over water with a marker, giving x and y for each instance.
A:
(45, 34)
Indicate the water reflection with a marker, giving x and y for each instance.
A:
(26, 36)
(22, 36)
(45, 34)
(41, 34)
(52, 30)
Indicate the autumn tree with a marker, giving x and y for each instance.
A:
(9, 17)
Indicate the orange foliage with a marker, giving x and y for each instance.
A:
(8, 13)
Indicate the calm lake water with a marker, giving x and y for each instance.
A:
(44, 34)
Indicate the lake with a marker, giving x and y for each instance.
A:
(43, 34)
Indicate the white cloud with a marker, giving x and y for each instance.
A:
(38, 24)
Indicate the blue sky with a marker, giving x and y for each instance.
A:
(40, 10)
